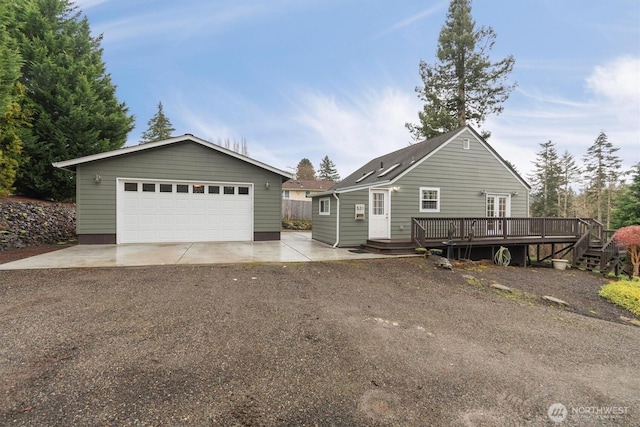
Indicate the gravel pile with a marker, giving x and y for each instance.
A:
(25, 224)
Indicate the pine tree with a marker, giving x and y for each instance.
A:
(305, 170)
(160, 127)
(602, 168)
(73, 101)
(627, 210)
(546, 180)
(328, 170)
(464, 85)
(12, 117)
(570, 174)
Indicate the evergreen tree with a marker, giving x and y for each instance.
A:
(305, 170)
(627, 210)
(328, 170)
(546, 181)
(464, 85)
(602, 169)
(72, 98)
(570, 174)
(159, 127)
(12, 117)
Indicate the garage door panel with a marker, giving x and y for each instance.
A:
(169, 216)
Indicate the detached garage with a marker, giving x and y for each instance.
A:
(182, 189)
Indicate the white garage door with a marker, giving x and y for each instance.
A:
(161, 211)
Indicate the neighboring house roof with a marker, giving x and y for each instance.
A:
(308, 184)
(73, 163)
(387, 168)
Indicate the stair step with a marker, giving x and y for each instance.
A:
(390, 246)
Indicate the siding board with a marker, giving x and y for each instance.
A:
(460, 174)
(189, 161)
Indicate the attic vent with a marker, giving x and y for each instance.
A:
(363, 177)
(465, 144)
(389, 170)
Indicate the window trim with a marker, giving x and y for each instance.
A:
(325, 201)
(420, 199)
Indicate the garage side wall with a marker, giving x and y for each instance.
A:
(188, 161)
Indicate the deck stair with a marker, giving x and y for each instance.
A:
(390, 246)
(600, 252)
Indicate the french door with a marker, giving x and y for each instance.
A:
(498, 206)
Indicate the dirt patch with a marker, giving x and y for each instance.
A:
(578, 288)
(376, 343)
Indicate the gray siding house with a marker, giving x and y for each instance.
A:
(182, 189)
(455, 174)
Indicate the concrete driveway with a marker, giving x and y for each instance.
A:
(293, 247)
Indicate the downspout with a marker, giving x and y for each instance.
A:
(335, 245)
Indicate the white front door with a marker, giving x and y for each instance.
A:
(498, 206)
(379, 214)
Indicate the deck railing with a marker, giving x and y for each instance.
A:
(425, 230)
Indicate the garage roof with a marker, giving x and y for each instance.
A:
(73, 163)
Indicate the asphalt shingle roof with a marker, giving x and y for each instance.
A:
(383, 168)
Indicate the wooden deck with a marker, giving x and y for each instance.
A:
(582, 238)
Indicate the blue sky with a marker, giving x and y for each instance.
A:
(309, 78)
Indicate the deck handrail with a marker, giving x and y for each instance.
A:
(610, 252)
(418, 235)
(583, 243)
(469, 228)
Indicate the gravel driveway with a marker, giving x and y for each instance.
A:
(372, 342)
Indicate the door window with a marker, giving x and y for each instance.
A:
(378, 204)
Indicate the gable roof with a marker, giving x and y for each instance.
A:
(73, 163)
(385, 169)
(308, 184)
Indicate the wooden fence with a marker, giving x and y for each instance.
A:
(296, 209)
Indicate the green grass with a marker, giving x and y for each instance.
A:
(625, 293)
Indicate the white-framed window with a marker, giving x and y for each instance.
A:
(285, 194)
(466, 144)
(429, 199)
(325, 206)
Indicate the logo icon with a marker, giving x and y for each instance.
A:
(557, 412)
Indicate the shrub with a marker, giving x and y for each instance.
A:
(296, 224)
(628, 238)
(625, 293)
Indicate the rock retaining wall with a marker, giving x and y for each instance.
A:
(25, 224)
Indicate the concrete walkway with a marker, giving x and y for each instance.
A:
(293, 247)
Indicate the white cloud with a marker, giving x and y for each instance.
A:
(414, 18)
(87, 4)
(356, 127)
(612, 104)
(618, 81)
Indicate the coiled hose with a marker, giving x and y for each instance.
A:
(502, 257)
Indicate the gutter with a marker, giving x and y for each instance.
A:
(335, 245)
